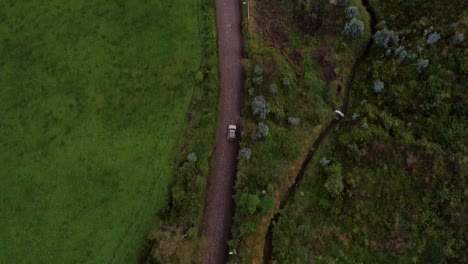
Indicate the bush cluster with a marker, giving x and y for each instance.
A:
(351, 12)
(385, 38)
(353, 29)
(259, 107)
(261, 131)
(294, 121)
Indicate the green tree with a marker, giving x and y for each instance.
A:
(248, 203)
(266, 203)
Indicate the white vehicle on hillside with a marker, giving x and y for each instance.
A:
(338, 112)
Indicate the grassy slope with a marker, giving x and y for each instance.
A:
(277, 159)
(92, 95)
(403, 199)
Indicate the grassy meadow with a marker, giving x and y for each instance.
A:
(92, 99)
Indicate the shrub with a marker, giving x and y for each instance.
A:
(245, 153)
(248, 202)
(399, 49)
(266, 203)
(273, 88)
(365, 126)
(422, 64)
(433, 38)
(259, 107)
(294, 121)
(355, 116)
(385, 38)
(199, 76)
(258, 70)
(401, 52)
(192, 157)
(324, 161)
(378, 86)
(427, 31)
(286, 81)
(351, 12)
(334, 184)
(353, 29)
(458, 39)
(257, 80)
(261, 131)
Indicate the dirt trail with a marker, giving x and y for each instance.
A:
(219, 203)
(268, 246)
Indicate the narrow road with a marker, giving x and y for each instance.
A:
(219, 203)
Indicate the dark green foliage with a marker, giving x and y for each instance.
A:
(257, 80)
(266, 204)
(334, 184)
(258, 70)
(185, 195)
(248, 203)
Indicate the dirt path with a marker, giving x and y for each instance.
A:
(268, 246)
(219, 203)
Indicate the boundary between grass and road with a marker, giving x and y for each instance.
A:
(218, 211)
(145, 252)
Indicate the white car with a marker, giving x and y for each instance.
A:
(232, 132)
(338, 112)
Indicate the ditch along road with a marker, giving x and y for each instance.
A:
(218, 210)
(268, 244)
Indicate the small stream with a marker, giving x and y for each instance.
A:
(268, 246)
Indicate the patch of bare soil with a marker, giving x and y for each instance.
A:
(321, 56)
(279, 25)
(272, 25)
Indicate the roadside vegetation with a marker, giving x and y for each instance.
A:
(94, 95)
(389, 186)
(175, 238)
(297, 66)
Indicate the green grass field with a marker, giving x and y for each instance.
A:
(92, 98)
